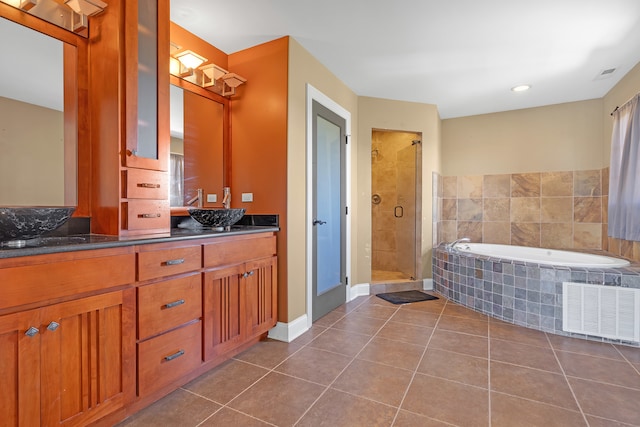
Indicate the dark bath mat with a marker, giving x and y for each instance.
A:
(405, 297)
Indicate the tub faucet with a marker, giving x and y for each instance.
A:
(451, 246)
(196, 198)
(226, 198)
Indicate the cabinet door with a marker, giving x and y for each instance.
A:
(147, 93)
(224, 324)
(261, 295)
(82, 359)
(20, 369)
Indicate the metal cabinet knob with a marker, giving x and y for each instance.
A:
(32, 331)
(53, 326)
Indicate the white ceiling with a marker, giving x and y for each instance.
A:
(461, 55)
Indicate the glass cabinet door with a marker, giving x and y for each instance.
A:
(147, 109)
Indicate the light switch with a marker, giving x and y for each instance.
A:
(212, 198)
(247, 197)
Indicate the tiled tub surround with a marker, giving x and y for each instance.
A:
(559, 210)
(524, 294)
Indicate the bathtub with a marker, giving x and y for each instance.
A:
(542, 256)
(524, 286)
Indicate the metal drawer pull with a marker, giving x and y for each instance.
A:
(174, 261)
(148, 185)
(250, 273)
(53, 326)
(174, 304)
(32, 331)
(174, 356)
(149, 215)
(247, 274)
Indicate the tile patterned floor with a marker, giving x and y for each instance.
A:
(434, 363)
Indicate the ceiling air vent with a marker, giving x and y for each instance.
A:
(605, 74)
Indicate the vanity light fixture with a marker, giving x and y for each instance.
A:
(190, 59)
(211, 73)
(520, 88)
(86, 7)
(232, 81)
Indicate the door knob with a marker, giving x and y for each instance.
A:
(319, 222)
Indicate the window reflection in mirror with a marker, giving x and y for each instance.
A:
(197, 148)
(32, 121)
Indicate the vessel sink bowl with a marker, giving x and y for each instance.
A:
(24, 223)
(214, 217)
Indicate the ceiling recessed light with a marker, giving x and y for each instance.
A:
(520, 88)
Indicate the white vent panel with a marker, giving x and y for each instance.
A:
(603, 311)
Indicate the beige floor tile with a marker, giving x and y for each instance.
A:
(431, 306)
(229, 417)
(464, 325)
(603, 422)
(394, 353)
(448, 401)
(607, 401)
(632, 354)
(339, 341)
(310, 335)
(337, 409)
(524, 355)
(384, 384)
(541, 386)
(277, 399)
(376, 311)
(511, 411)
(460, 343)
(226, 381)
(456, 310)
(456, 367)
(404, 332)
(178, 408)
(314, 364)
(599, 369)
(329, 318)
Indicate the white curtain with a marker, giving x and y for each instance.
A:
(624, 178)
(176, 172)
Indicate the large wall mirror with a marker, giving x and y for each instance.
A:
(38, 118)
(197, 155)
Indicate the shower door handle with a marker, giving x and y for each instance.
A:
(398, 209)
(319, 222)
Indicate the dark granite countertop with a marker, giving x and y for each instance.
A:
(81, 242)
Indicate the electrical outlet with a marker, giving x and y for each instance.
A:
(212, 198)
(247, 197)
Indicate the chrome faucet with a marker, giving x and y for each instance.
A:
(226, 198)
(196, 198)
(452, 245)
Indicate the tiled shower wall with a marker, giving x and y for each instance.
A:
(561, 210)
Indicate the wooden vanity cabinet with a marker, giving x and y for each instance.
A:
(70, 362)
(239, 291)
(169, 345)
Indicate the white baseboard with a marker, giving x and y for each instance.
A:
(288, 332)
(427, 284)
(360, 290)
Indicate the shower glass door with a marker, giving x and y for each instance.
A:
(406, 224)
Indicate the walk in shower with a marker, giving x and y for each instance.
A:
(395, 205)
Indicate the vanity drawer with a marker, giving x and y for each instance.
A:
(145, 184)
(147, 214)
(166, 358)
(154, 263)
(239, 250)
(169, 304)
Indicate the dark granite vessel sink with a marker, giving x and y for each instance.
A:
(212, 217)
(18, 224)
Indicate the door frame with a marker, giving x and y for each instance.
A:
(314, 94)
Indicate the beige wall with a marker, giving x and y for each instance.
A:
(31, 155)
(383, 114)
(626, 88)
(559, 137)
(303, 69)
